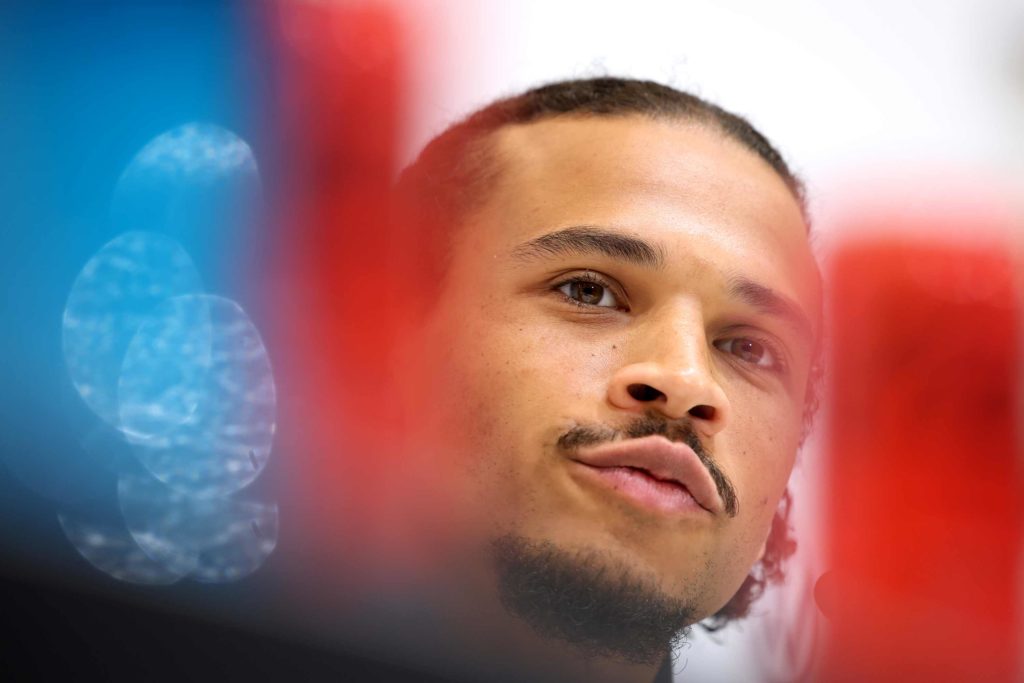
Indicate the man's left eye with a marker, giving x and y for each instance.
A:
(750, 351)
(589, 293)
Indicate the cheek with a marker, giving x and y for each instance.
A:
(491, 377)
(495, 405)
(764, 435)
(510, 384)
(521, 361)
(763, 445)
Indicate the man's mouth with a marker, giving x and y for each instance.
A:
(653, 472)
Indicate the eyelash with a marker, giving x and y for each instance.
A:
(778, 366)
(593, 278)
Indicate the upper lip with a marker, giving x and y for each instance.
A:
(662, 459)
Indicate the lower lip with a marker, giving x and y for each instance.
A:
(666, 497)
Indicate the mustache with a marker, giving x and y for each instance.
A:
(653, 424)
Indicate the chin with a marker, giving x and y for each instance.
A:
(598, 601)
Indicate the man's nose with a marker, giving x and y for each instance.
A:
(670, 371)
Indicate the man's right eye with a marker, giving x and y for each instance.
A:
(588, 291)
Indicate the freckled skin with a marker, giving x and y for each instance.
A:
(510, 365)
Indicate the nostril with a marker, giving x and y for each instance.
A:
(703, 412)
(643, 392)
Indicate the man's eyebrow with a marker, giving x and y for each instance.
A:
(583, 240)
(772, 303)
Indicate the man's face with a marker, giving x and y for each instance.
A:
(626, 277)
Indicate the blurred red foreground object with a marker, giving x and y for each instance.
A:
(925, 525)
(343, 70)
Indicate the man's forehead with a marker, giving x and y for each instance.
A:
(663, 150)
(668, 182)
(618, 163)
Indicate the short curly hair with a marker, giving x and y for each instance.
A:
(451, 175)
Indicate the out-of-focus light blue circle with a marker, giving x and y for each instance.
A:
(247, 539)
(114, 552)
(191, 181)
(114, 294)
(164, 372)
(217, 539)
(226, 440)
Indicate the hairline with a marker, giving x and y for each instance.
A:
(490, 167)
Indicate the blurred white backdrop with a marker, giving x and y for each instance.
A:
(880, 99)
(845, 90)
